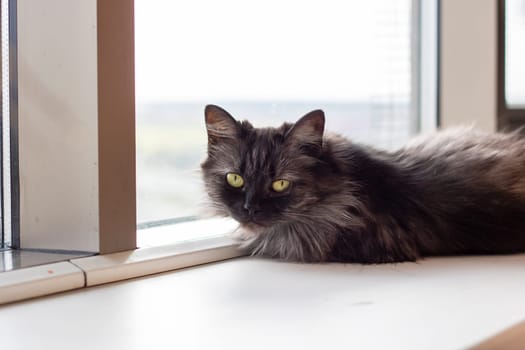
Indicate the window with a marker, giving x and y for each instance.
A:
(268, 62)
(71, 128)
(366, 64)
(511, 71)
(358, 61)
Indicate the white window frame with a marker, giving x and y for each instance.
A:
(76, 126)
(468, 72)
(426, 63)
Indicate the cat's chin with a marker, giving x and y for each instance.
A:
(252, 226)
(247, 231)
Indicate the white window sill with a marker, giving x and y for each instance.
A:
(184, 232)
(438, 303)
(161, 249)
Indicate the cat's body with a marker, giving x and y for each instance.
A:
(456, 192)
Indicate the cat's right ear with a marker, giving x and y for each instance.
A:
(219, 124)
(308, 131)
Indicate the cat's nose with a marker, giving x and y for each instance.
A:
(251, 204)
(251, 208)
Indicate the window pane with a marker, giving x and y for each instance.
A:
(268, 62)
(515, 52)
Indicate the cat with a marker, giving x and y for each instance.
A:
(305, 196)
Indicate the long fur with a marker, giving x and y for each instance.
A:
(454, 192)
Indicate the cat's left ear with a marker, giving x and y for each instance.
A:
(219, 124)
(308, 130)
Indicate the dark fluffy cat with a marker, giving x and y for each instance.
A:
(300, 195)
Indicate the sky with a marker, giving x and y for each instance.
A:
(205, 50)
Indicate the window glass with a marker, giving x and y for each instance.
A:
(515, 53)
(267, 62)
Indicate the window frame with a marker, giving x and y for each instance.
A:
(13, 126)
(467, 73)
(9, 203)
(426, 66)
(508, 118)
(2, 213)
(105, 78)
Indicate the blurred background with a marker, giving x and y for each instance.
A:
(366, 64)
(268, 62)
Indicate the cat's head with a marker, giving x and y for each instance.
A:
(262, 176)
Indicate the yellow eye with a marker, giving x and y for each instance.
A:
(280, 185)
(234, 180)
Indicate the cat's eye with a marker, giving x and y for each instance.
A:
(280, 185)
(234, 180)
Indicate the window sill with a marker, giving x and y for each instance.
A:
(161, 249)
(40, 280)
(108, 268)
(437, 303)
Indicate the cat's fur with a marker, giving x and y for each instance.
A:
(456, 192)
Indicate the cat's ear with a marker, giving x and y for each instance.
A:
(308, 130)
(219, 124)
